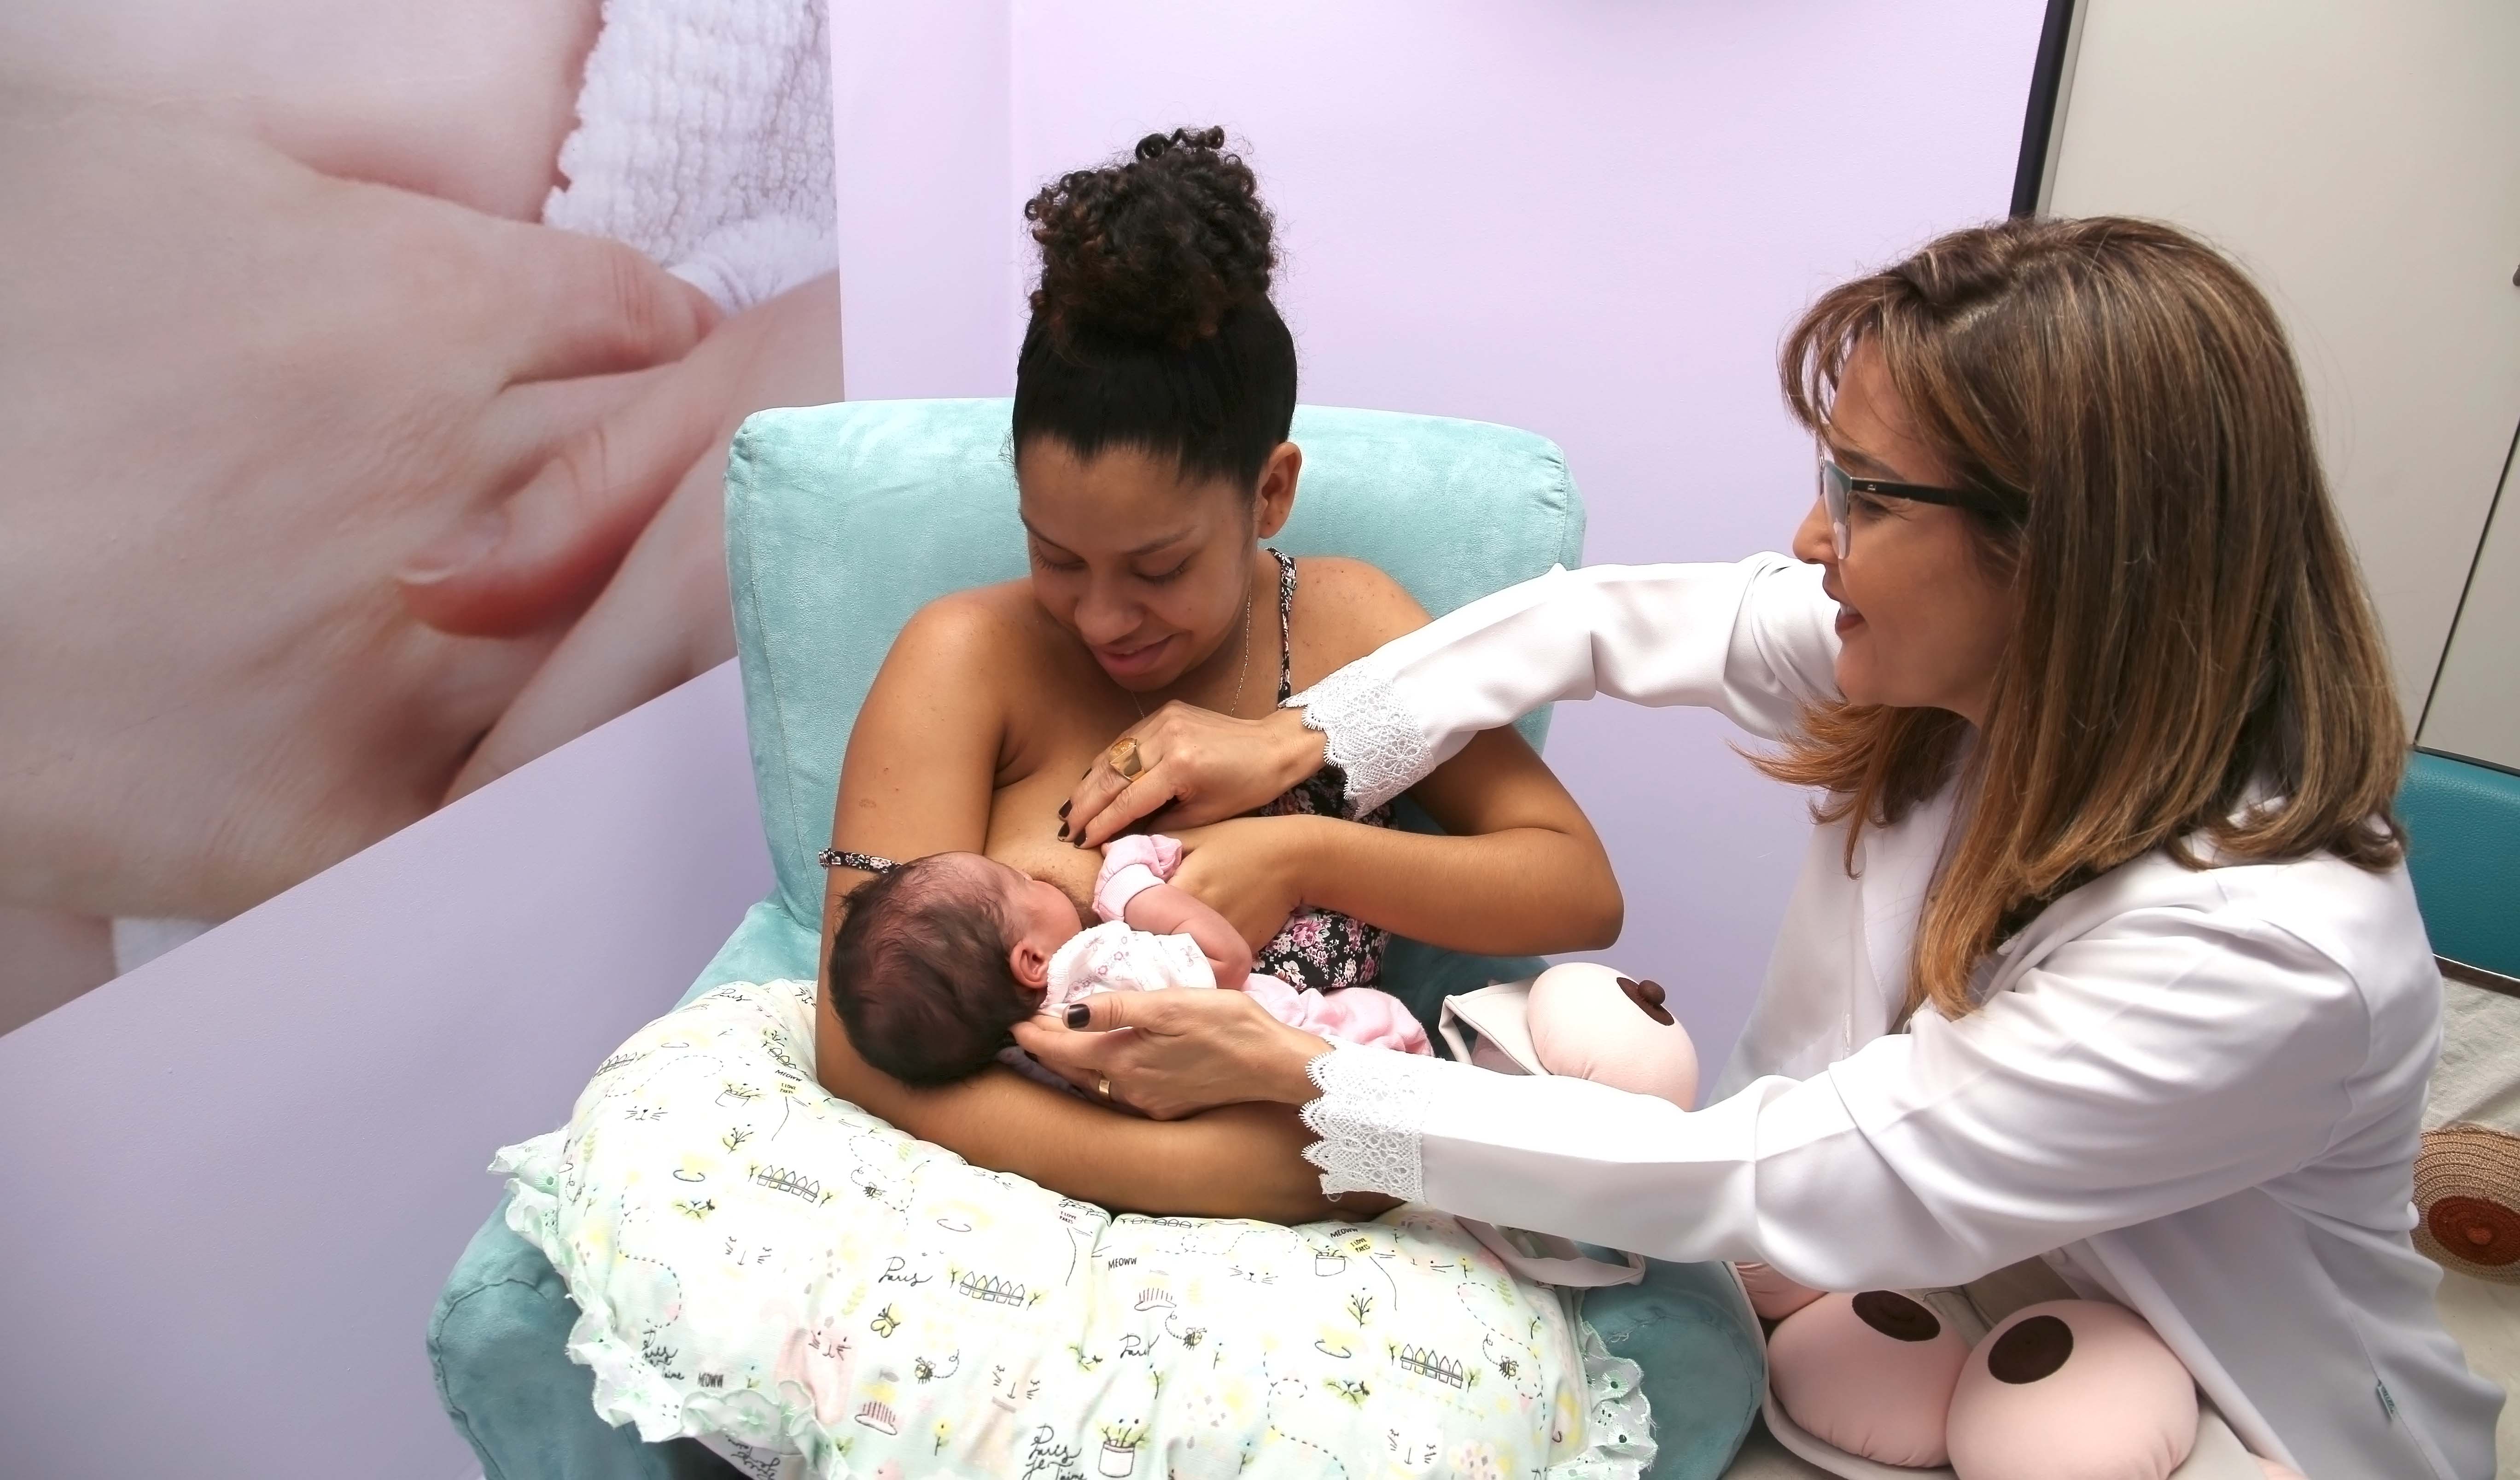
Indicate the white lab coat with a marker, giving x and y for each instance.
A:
(2196, 1091)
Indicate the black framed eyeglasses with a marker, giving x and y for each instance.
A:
(1837, 486)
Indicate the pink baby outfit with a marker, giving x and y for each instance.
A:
(1114, 958)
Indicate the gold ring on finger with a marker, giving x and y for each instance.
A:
(1103, 1087)
(1125, 759)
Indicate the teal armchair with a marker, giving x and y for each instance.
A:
(841, 521)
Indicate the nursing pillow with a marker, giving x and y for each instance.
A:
(772, 1270)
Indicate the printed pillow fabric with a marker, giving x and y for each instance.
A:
(767, 1266)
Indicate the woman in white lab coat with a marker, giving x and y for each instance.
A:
(2104, 949)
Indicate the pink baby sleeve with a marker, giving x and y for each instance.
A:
(1361, 1016)
(1131, 866)
(1375, 1018)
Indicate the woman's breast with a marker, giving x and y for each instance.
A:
(1036, 850)
(1023, 815)
(1315, 949)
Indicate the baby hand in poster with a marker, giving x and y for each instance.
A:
(236, 395)
(620, 537)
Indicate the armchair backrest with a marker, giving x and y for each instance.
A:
(842, 520)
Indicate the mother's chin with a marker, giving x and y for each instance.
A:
(1144, 666)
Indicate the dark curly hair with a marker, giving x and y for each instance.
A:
(919, 973)
(1153, 326)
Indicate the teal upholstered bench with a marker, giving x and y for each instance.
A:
(2462, 825)
(841, 521)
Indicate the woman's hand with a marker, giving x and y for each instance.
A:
(1168, 1054)
(1250, 870)
(1199, 767)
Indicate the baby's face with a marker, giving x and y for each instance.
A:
(1041, 913)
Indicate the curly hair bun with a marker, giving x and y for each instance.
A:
(1157, 247)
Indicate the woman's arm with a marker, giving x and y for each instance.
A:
(922, 758)
(1236, 1161)
(917, 780)
(1754, 639)
(1519, 871)
(2163, 1062)
(2166, 1060)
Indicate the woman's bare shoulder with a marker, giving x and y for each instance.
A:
(1345, 608)
(973, 634)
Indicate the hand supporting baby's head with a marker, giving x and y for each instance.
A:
(938, 959)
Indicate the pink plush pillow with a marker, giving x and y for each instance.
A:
(1587, 1021)
(1871, 1374)
(2072, 1390)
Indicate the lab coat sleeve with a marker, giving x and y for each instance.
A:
(2161, 1063)
(1755, 640)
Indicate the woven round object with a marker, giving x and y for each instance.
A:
(2467, 1201)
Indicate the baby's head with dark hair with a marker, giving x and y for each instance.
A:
(1153, 326)
(923, 971)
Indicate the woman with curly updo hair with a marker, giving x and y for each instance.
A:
(1154, 392)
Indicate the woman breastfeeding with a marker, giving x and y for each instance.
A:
(1153, 396)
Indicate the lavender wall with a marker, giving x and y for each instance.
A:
(1592, 220)
(920, 105)
(235, 1178)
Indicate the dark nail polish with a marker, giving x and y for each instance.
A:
(1063, 808)
(1077, 1015)
(1062, 832)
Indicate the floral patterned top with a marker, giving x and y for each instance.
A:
(1317, 949)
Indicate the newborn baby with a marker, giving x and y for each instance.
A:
(940, 957)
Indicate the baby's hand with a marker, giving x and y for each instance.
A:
(1164, 910)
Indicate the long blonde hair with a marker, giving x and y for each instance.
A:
(2194, 660)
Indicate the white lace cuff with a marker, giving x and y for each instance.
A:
(1371, 1117)
(1367, 733)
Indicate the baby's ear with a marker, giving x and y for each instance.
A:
(1031, 964)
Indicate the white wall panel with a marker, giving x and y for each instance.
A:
(2475, 708)
(2363, 161)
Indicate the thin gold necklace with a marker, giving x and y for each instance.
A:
(1240, 674)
